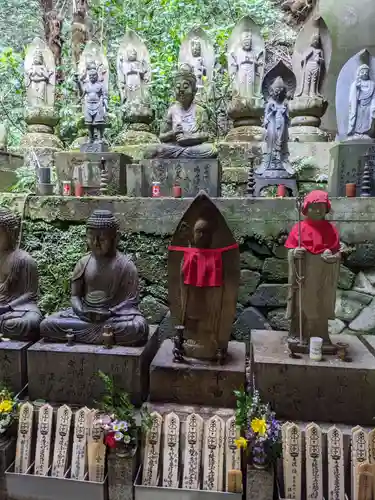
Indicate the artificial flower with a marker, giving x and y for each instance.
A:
(118, 436)
(126, 439)
(6, 406)
(123, 426)
(241, 443)
(259, 426)
(115, 427)
(110, 440)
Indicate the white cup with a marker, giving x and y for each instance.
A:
(316, 344)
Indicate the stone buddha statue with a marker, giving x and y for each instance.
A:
(104, 292)
(184, 132)
(362, 105)
(20, 316)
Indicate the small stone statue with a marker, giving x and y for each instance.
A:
(94, 93)
(276, 123)
(55, 40)
(20, 316)
(184, 133)
(104, 292)
(362, 105)
(312, 67)
(247, 67)
(314, 267)
(38, 77)
(134, 73)
(200, 69)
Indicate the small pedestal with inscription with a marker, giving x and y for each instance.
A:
(300, 389)
(191, 175)
(259, 483)
(197, 382)
(69, 374)
(13, 364)
(122, 468)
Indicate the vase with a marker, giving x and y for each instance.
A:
(351, 190)
(122, 462)
(259, 457)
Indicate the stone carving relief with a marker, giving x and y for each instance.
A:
(40, 77)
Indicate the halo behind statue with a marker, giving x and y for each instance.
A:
(93, 53)
(38, 45)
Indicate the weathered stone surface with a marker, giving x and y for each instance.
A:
(365, 321)
(13, 364)
(326, 391)
(362, 284)
(8, 164)
(259, 248)
(259, 484)
(363, 257)
(250, 261)
(151, 270)
(69, 374)
(346, 278)
(122, 468)
(248, 282)
(275, 270)
(248, 320)
(178, 382)
(370, 276)
(270, 295)
(280, 251)
(166, 328)
(349, 304)
(335, 326)
(152, 309)
(277, 319)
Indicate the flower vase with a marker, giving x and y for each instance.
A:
(259, 457)
(122, 462)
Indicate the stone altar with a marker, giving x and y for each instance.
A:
(246, 60)
(69, 374)
(330, 390)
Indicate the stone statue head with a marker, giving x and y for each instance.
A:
(278, 89)
(131, 54)
(102, 233)
(316, 41)
(363, 72)
(9, 230)
(38, 58)
(196, 47)
(203, 232)
(92, 71)
(246, 40)
(185, 84)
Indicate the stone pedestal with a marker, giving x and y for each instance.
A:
(62, 374)
(85, 167)
(7, 454)
(8, 165)
(259, 484)
(192, 175)
(13, 364)
(330, 390)
(346, 165)
(122, 468)
(197, 382)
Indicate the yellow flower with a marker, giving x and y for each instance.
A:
(259, 426)
(241, 443)
(6, 406)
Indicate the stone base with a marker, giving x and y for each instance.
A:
(306, 133)
(330, 390)
(13, 364)
(191, 174)
(259, 484)
(346, 166)
(131, 137)
(8, 165)
(94, 147)
(69, 166)
(122, 469)
(245, 133)
(43, 145)
(197, 382)
(62, 374)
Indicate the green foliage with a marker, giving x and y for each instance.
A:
(243, 406)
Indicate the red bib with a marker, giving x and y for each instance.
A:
(203, 267)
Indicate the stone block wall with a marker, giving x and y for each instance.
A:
(259, 225)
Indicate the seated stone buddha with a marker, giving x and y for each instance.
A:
(104, 292)
(20, 316)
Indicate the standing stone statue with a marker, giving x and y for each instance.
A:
(184, 133)
(312, 68)
(104, 292)
(198, 51)
(133, 75)
(38, 80)
(20, 316)
(314, 254)
(362, 105)
(80, 30)
(246, 60)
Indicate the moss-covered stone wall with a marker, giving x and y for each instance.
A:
(54, 233)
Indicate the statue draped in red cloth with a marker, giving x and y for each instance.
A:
(314, 265)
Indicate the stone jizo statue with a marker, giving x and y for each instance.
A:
(135, 74)
(38, 77)
(95, 96)
(362, 105)
(312, 68)
(314, 267)
(20, 316)
(184, 132)
(104, 292)
(197, 60)
(245, 64)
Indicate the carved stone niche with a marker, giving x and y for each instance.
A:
(282, 70)
(246, 60)
(310, 63)
(355, 98)
(198, 51)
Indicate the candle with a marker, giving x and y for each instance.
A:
(177, 192)
(281, 191)
(155, 189)
(316, 348)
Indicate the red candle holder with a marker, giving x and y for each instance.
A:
(281, 191)
(78, 190)
(177, 192)
(156, 189)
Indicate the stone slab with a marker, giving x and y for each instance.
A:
(68, 165)
(300, 389)
(192, 175)
(13, 364)
(197, 382)
(62, 374)
(259, 484)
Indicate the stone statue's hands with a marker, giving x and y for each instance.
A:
(329, 257)
(179, 132)
(299, 252)
(97, 315)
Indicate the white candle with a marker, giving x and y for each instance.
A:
(316, 348)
